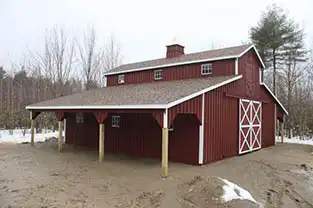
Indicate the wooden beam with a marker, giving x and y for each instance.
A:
(282, 132)
(164, 152)
(60, 140)
(64, 129)
(32, 127)
(101, 142)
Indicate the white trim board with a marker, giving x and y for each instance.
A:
(171, 64)
(201, 131)
(84, 107)
(203, 91)
(257, 53)
(190, 62)
(275, 98)
(147, 106)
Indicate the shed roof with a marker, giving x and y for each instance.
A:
(157, 95)
(211, 55)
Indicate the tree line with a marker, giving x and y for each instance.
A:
(65, 65)
(72, 64)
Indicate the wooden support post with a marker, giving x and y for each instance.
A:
(32, 126)
(60, 141)
(64, 129)
(282, 132)
(164, 152)
(101, 142)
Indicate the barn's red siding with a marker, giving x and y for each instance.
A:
(141, 135)
(220, 125)
(221, 121)
(268, 124)
(138, 135)
(225, 67)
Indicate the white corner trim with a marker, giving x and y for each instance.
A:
(236, 66)
(201, 131)
(176, 102)
(171, 64)
(276, 99)
(165, 118)
(86, 107)
(256, 51)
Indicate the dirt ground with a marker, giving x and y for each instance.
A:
(279, 176)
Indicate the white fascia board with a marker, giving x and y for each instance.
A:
(257, 53)
(87, 107)
(276, 99)
(172, 64)
(181, 100)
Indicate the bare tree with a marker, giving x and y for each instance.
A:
(111, 58)
(90, 56)
(56, 60)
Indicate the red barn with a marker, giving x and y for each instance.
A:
(192, 108)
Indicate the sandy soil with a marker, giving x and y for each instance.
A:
(279, 176)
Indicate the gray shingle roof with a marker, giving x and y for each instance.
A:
(211, 54)
(155, 93)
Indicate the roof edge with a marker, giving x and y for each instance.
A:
(181, 100)
(275, 98)
(146, 106)
(172, 64)
(256, 51)
(96, 107)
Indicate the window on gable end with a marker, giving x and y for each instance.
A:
(206, 69)
(157, 74)
(121, 78)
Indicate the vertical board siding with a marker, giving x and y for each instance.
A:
(224, 67)
(139, 135)
(220, 125)
(221, 121)
(268, 125)
(184, 140)
(193, 106)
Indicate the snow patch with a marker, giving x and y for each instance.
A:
(297, 140)
(233, 191)
(16, 136)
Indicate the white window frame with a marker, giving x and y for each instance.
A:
(80, 117)
(116, 121)
(158, 74)
(121, 79)
(206, 69)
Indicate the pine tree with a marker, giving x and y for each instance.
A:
(273, 36)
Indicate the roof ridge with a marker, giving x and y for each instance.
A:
(193, 53)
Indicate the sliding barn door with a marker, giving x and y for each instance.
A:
(250, 113)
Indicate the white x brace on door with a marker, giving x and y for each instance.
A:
(250, 117)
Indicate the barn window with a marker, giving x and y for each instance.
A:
(116, 121)
(80, 117)
(157, 74)
(121, 79)
(206, 69)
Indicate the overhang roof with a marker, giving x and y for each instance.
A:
(211, 55)
(275, 98)
(155, 95)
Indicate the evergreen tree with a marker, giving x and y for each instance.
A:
(276, 36)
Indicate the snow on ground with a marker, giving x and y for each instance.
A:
(297, 140)
(18, 137)
(233, 191)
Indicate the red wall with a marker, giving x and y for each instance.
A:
(221, 117)
(225, 67)
(138, 135)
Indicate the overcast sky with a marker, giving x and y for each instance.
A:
(142, 28)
